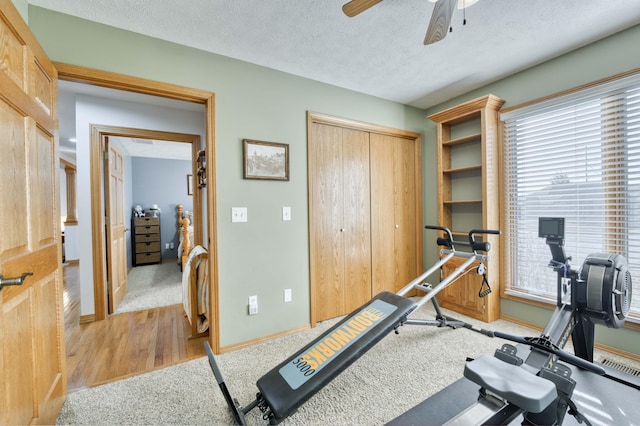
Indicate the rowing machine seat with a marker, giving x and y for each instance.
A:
(511, 382)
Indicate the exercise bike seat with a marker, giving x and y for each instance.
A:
(512, 383)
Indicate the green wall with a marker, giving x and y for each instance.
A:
(265, 255)
(610, 56)
(23, 8)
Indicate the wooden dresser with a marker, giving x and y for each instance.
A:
(146, 240)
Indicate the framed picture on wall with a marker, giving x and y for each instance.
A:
(266, 160)
(189, 184)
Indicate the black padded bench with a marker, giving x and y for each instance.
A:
(289, 385)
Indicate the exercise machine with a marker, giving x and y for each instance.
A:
(536, 382)
(290, 384)
(474, 258)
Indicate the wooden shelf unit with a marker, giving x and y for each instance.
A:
(468, 195)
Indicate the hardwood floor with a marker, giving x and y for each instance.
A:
(122, 345)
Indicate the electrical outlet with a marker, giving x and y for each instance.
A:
(287, 295)
(238, 214)
(171, 246)
(253, 305)
(166, 246)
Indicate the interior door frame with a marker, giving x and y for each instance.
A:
(98, 134)
(149, 87)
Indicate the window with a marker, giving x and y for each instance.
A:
(576, 156)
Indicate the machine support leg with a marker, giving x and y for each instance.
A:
(583, 338)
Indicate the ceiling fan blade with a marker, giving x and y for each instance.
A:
(440, 21)
(355, 7)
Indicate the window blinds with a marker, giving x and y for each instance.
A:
(577, 157)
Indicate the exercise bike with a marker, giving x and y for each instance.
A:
(536, 381)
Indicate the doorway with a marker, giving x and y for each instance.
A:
(114, 263)
(207, 218)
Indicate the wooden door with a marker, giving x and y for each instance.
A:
(462, 294)
(32, 357)
(394, 198)
(406, 224)
(382, 215)
(339, 220)
(356, 219)
(116, 227)
(326, 197)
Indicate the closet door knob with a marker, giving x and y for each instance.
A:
(341, 229)
(397, 226)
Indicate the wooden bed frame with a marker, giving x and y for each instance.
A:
(183, 228)
(198, 274)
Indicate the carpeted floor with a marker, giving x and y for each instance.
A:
(150, 286)
(395, 375)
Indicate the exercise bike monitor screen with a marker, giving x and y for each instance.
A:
(551, 228)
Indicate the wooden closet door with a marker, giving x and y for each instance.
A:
(357, 219)
(395, 254)
(326, 213)
(340, 266)
(382, 215)
(406, 223)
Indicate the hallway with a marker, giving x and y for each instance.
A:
(122, 345)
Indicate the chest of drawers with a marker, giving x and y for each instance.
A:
(146, 240)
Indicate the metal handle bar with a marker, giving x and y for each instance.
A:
(441, 228)
(480, 245)
(475, 245)
(546, 346)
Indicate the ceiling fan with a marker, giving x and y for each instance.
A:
(440, 19)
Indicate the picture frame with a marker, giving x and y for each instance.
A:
(189, 184)
(265, 160)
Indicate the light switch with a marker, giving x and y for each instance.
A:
(286, 213)
(253, 305)
(238, 214)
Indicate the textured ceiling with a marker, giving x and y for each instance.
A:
(378, 52)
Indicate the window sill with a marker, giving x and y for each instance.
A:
(632, 322)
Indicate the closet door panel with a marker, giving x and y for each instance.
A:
(357, 224)
(405, 196)
(382, 215)
(326, 246)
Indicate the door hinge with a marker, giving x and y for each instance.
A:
(107, 220)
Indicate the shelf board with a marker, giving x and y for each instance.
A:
(463, 169)
(461, 202)
(476, 137)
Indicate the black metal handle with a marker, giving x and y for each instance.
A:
(448, 241)
(13, 281)
(481, 245)
(475, 245)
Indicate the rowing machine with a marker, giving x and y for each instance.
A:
(531, 379)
